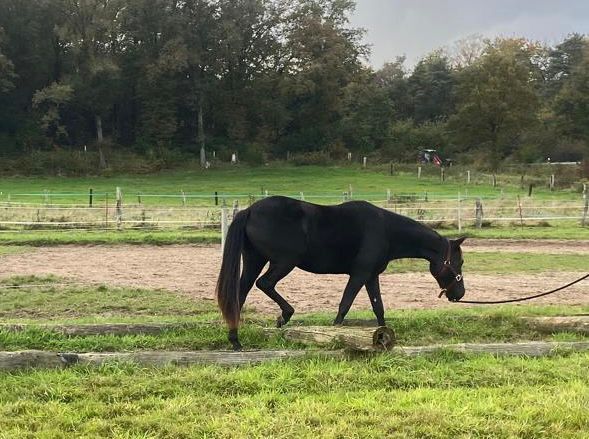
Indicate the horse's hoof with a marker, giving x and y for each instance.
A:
(237, 347)
(280, 322)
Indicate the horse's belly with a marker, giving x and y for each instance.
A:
(324, 263)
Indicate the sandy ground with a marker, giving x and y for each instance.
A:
(193, 270)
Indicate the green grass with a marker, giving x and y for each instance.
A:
(166, 237)
(203, 328)
(437, 396)
(503, 263)
(328, 182)
(440, 396)
(112, 237)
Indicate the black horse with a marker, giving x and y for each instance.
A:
(354, 238)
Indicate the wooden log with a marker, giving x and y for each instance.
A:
(529, 349)
(29, 359)
(43, 359)
(365, 339)
(86, 329)
(578, 324)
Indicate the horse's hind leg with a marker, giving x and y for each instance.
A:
(252, 266)
(253, 263)
(373, 289)
(267, 284)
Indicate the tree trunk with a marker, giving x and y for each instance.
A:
(99, 141)
(354, 338)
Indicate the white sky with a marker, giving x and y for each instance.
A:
(416, 27)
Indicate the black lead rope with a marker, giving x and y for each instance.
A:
(521, 299)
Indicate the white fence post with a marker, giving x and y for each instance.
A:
(224, 226)
(467, 177)
(459, 213)
(419, 172)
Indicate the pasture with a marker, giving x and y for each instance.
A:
(167, 275)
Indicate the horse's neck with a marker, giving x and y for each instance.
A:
(410, 239)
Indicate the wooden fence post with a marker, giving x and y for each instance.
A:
(419, 172)
(584, 220)
(479, 214)
(494, 180)
(392, 169)
(235, 209)
(119, 207)
(467, 177)
(459, 213)
(364, 162)
(552, 181)
(216, 198)
(90, 196)
(183, 199)
(521, 217)
(350, 193)
(224, 226)
(442, 174)
(388, 196)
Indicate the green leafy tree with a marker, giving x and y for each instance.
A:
(431, 87)
(497, 100)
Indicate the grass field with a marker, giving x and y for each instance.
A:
(326, 182)
(166, 237)
(437, 396)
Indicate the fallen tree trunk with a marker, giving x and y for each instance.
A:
(44, 359)
(381, 338)
(578, 324)
(85, 329)
(528, 349)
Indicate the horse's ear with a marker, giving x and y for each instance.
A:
(458, 242)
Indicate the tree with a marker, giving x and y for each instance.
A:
(392, 78)
(497, 99)
(571, 105)
(431, 87)
(7, 75)
(324, 58)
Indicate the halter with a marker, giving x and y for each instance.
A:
(448, 266)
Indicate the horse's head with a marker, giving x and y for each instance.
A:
(448, 270)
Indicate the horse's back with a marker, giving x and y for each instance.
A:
(320, 239)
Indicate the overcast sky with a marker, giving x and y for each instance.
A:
(416, 27)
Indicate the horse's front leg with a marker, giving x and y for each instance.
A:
(355, 282)
(373, 288)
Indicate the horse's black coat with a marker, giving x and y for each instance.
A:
(354, 238)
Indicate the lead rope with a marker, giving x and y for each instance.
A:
(521, 299)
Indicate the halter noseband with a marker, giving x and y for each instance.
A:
(448, 266)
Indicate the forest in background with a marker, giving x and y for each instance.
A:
(83, 81)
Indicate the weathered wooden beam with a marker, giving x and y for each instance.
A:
(44, 359)
(528, 349)
(578, 324)
(85, 329)
(365, 339)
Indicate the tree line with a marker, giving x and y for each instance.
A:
(263, 77)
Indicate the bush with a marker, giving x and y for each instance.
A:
(318, 158)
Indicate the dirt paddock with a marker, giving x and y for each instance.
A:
(193, 270)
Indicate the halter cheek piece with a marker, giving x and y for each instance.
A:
(448, 266)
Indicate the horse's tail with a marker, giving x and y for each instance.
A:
(228, 282)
